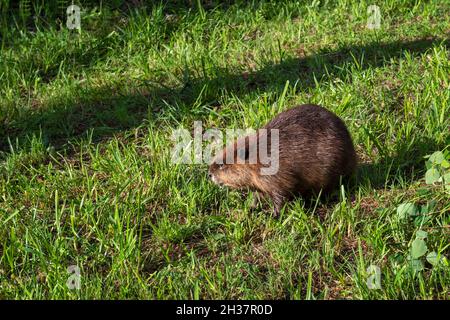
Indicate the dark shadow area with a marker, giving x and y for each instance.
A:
(40, 15)
(408, 163)
(104, 111)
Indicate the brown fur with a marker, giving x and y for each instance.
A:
(315, 150)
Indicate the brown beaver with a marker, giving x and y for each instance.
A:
(314, 151)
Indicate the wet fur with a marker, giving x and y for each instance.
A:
(315, 151)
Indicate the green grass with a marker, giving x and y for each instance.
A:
(85, 144)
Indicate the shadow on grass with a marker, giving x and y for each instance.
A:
(408, 162)
(104, 111)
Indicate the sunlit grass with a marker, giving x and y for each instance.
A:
(86, 176)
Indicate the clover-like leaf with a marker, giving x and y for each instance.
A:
(420, 234)
(446, 178)
(418, 248)
(406, 209)
(431, 176)
(417, 265)
(432, 258)
(437, 157)
(445, 164)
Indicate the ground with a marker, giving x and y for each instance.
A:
(87, 182)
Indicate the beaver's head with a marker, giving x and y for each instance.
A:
(234, 166)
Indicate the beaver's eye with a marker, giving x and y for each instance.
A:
(221, 166)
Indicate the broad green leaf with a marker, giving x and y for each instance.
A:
(445, 164)
(432, 258)
(436, 157)
(420, 234)
(446, 178)
(431, 176)
(418, 248)
(417, 265)
(406, 209)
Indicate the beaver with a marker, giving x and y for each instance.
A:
(314, 150)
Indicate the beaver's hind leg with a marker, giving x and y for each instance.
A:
(278, 202)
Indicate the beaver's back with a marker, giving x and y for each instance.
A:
(315, 149)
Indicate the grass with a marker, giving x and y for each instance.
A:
(85, 144)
